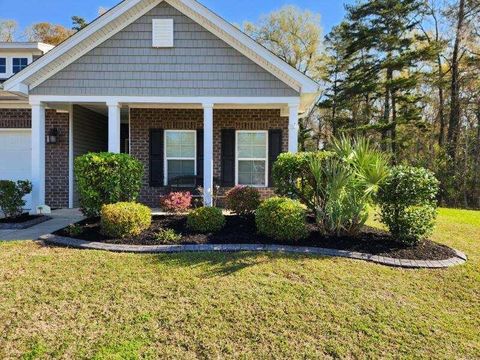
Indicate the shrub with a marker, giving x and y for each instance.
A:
(74, 230)
(125, 219)
(176, 202)
(11, 196)
(336, 186)
(167, 236)
(281, 219)
(408, 205)
(206, 220)
(242, 200)
(292, 176)
(106, 178)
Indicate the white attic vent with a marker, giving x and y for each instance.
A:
(162, 33)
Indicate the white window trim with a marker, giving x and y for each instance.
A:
(237, 159)
(19, 58)
(165, 158)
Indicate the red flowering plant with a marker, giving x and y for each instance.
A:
(176, 202)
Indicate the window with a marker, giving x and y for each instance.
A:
(252, 158)
(3, 65)
(19, 64)
(162, 33)
(180, 157)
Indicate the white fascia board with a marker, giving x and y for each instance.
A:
(163, 100)
(71, 42)
(307, 85)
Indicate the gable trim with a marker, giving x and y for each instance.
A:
(126, 13)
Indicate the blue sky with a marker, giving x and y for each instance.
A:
(27, 12)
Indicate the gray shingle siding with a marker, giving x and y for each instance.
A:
(199, 64)
(90, 134)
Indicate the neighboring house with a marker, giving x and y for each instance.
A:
(15, 139)
(178, 87)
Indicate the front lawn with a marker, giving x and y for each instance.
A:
(82, 304)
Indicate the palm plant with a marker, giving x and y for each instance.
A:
(345, 184)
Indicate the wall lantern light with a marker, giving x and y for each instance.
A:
(52, 136)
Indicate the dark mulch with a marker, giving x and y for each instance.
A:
(243, 231)
(20, 219)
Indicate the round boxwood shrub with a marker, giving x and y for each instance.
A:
(408, 204)
(242, 200)
(206, 220)
(281, 219)
(106, 178)
(124, 219)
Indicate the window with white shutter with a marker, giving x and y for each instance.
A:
(162, 33)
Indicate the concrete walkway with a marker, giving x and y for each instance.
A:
(60, 219)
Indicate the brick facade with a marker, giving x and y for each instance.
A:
(56, 155)
(15, 118)
(142, 120)
(56, 160)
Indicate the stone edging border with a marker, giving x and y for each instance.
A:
(51, 239)
(26, 224)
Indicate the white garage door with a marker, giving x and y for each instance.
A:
(15, 156)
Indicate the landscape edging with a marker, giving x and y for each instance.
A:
(51, 239)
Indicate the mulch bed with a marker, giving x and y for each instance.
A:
(240, 230)
(23, 221)
(19, 219)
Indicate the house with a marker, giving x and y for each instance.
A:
(173, 84)
(15, 139)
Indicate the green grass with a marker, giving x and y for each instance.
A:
(63, 303)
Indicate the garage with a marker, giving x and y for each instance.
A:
(15, 155)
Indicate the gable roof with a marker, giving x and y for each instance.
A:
(128, 11)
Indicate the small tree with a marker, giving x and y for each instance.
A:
(11, 196)
(106, 178)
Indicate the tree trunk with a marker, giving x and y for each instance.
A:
(441, 104)
(386, 110)
(393, 131)
(455, 112)
(476, 163)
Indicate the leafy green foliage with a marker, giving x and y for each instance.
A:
(74, 230)
(106, 178)
(124, 219)
(168, 236)
(242, 200)
(281, 219)
(11, 196)
(408, 203)
(206, 220)
(292, 176)
(336, 186)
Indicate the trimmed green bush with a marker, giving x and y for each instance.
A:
(11, 196)
(242, 200)
(408, 204)
(106, 178)
(124, 219)
(281, 219)
(206, 220)
(167, 236)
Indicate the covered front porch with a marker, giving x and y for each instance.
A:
(224, 141)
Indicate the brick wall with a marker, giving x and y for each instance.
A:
(56, 155)
(15, 118)
(56, 160)
(142, 120)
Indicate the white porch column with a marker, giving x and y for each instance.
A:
(293, 128)
(208, 154)
(38, 155)
(114, 127)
